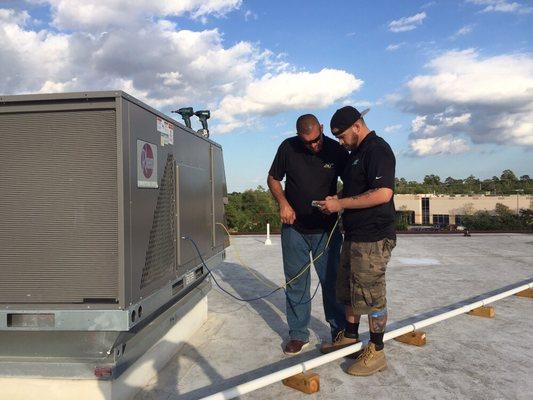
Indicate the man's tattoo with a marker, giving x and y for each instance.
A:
(365, 194)
(378, 321)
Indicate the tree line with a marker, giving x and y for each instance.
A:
(251, 210)
(505, 184)
(501, 219)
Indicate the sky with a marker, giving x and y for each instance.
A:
(449, 83)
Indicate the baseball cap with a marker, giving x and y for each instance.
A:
(344, 118)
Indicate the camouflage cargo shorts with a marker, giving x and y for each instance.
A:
(361, 276)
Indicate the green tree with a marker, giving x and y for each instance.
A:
(251, 210)
(508, 175)
(526, 217)
(472, 183)
(501, 219)
(432, 180)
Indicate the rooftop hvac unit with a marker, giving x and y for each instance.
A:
(97, 191)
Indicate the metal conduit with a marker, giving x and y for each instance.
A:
(274, 377)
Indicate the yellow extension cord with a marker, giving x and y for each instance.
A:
(304, 269)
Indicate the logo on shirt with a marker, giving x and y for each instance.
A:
(355, 163)
(329, 166)
(379, 177)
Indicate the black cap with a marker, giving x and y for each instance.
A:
(344, 118)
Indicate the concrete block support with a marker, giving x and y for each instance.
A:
(127, 385)
(483, 311)
(306, 382)
(525, 293)
(413, 338)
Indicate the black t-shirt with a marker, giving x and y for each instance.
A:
(309, 177)
(371, 166)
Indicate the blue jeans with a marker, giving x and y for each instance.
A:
(296, 247)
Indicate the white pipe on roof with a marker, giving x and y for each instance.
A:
(268, 242)
(274, 377)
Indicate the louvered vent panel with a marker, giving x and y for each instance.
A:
(161, 252)
(58, 207)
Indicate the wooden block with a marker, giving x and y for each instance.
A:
(413, 338)
(483, 311)
(306, 382)
(525, 293)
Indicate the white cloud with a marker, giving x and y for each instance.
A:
(394, 46)
(250, 15)
(465, 30)
(94, 15)
(502, 6)
(157, 62)
(440, 123)
(275, 63)
(463, 77)
(357, 103)
(12, 16)
(273, 94)
(390, 99)
(30, 60)
(438, 146)
(489, 99)
(362, 104)
(175, 66)
(392, 128)
(407, 23)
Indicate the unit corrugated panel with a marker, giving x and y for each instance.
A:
(58, 207)
(161, 252)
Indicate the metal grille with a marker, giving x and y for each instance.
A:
(161, 252)
(58, 207)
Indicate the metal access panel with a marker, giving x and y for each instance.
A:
(152, 200)
(59, 207)
(98, 190)
(201, 207)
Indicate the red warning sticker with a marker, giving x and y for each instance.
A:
(146, 165)
(166, 129)
(147, 160)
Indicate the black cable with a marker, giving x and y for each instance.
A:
(268, 294)
(291, 301)
(215, 279)
(302, 302)
(253, 298)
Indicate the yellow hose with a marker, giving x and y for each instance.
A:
(302, 271)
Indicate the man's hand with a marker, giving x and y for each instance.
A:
(287, 214)
(330, 205)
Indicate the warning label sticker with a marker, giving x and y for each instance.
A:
(146, 165)
(166, 129)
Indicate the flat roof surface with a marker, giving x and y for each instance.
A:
(465, 357)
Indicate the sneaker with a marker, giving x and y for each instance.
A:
(294, 347)
(340, 342)
(369, 362)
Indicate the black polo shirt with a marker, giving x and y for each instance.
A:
(310, 177)
(371, 166)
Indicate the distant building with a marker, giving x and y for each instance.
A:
(430, 209)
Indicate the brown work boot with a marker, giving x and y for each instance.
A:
(340, 342)
(369, 362)
(294, 347)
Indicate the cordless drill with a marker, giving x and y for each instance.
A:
(203, 116)
(186, 113)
